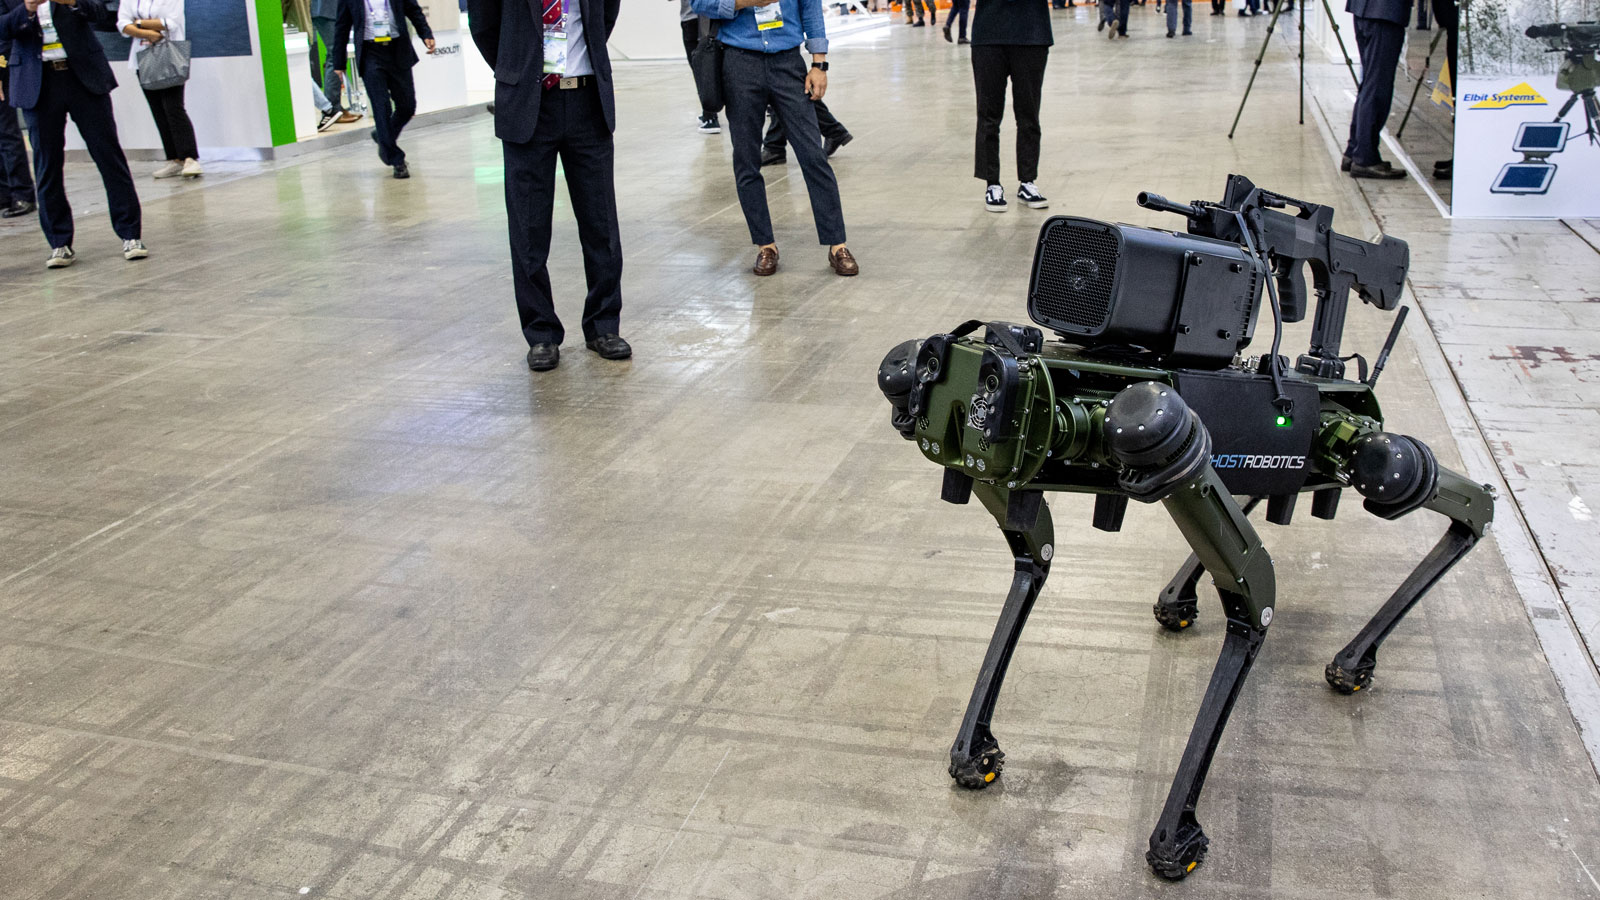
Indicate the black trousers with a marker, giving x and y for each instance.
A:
(1379, 43)
(958, 15)
(172, 121)
(1448, 17)
(392, 95)
(992, 66)
(15, 182)
(751, 82)
(829, 126)
(60, 95)
(571, 127)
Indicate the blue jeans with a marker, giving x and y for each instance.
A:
(1172, 15)
(1115, 14)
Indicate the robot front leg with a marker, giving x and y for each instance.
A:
(1179, 603)
(976, 759)
(1398, 474)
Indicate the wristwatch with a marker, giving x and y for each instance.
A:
(820, 65)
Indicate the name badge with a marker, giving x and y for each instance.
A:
(382, 39)
(769, 17)
(53, 52)
(555, 52)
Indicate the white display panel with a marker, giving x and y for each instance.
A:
(1494, 180)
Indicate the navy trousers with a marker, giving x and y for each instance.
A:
(392, 94)
(1379, 44)
(61, 95)
(15, 182)
(571, 126)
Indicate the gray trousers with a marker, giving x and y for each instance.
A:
(752, 81)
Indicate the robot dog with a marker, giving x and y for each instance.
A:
(1147, 396)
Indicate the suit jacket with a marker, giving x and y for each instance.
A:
(75, 26)
(352, 19)
(510, 35)
(1396, 11)
(1024, 23)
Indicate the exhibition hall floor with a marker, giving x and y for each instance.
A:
(309, 588)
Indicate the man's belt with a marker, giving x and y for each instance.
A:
(60, 65)
(573, 83)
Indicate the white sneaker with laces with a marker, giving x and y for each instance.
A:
(60, 258)
(191, 168)
(134, 249)
(994, 199)
(1028, 195)
(172, 169)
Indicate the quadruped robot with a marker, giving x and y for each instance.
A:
(1147, 396)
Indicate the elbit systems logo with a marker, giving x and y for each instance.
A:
(1521, 95)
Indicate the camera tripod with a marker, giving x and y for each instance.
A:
(1591, 113)
(1301, 21)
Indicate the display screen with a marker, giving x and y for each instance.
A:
(1541, 136)
(1524, 178)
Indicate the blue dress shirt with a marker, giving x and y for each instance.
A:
(802, 19)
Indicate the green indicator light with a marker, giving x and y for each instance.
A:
(1285, 422)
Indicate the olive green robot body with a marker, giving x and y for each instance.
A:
(1011, 417)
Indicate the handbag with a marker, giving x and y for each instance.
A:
(707, 65)
(164, 64)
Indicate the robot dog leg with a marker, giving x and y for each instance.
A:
(1179, 603)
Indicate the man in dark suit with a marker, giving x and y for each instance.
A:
(1380, 36)
(57, 68)
(16, 185)
(384, 57)
(553, 98)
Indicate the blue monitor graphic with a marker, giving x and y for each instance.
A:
(1524, 178)
(1538, 140)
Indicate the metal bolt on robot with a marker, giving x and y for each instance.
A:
(1147, 395)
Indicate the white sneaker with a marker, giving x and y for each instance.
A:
(134, 249)
(994, 199)
(191, 168)
(1029, 196)
(60, 258)
(172, 169)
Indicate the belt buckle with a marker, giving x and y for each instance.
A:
(60, 65)
(568, 84)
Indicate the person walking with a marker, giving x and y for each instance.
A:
(553, 100)
(959, 8)
(1011, 41)
(1172, 17)
(1115, 14)
(57, 69)
(693, 34)
(760, 68)
(16, 183)
(384, 57)
(1380, 36)
(329, 95)
(149, 22)
(923, 9)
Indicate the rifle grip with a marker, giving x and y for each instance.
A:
(1292, 292)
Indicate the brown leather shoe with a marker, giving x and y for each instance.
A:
(766, 261)
(842, 262)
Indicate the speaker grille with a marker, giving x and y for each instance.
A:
(1075, 275)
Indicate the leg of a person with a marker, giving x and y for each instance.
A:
(1448, 17)
(158, 111)
(376, 78)
(1172, 16)
(691, 38)
(1188, 15)
(788, 90)
(183, 139)
(332, 82)
(744, 90)
(830, 126)
(530, 196)
(1122, 16)
(989, 74)
(47, 129)
(403, 93)
(16, 183)
(315, 59)
(1027, 87)
(1365, 48)
(963, 8)
(96, 122)
(588, 156)
(776, 136)
(1391, 41)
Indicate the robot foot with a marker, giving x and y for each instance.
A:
(1177, 616)
(1348, 681)
(976, 771)
(1175, 859)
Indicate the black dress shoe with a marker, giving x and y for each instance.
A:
(400, 170)
(610, 346)
(1344, 164)
(830, 146)
(543, 356)
(768, 158)
(1380, 169)
(18, 208)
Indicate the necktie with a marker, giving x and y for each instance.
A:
(555, 14)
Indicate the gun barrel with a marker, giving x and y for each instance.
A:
(1157, 202)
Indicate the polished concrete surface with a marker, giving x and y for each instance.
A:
(310, 588)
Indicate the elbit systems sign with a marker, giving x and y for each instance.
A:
(1521, 95)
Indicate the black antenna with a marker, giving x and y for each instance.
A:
(1383, 356)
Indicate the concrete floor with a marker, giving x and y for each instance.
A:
(310, 588)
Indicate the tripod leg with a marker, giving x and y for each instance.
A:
(1470, 508)
(1427, 66)
(1179, 603)
(1343, 51)
(1272, 25)
(975, 757)
(1231, 550)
